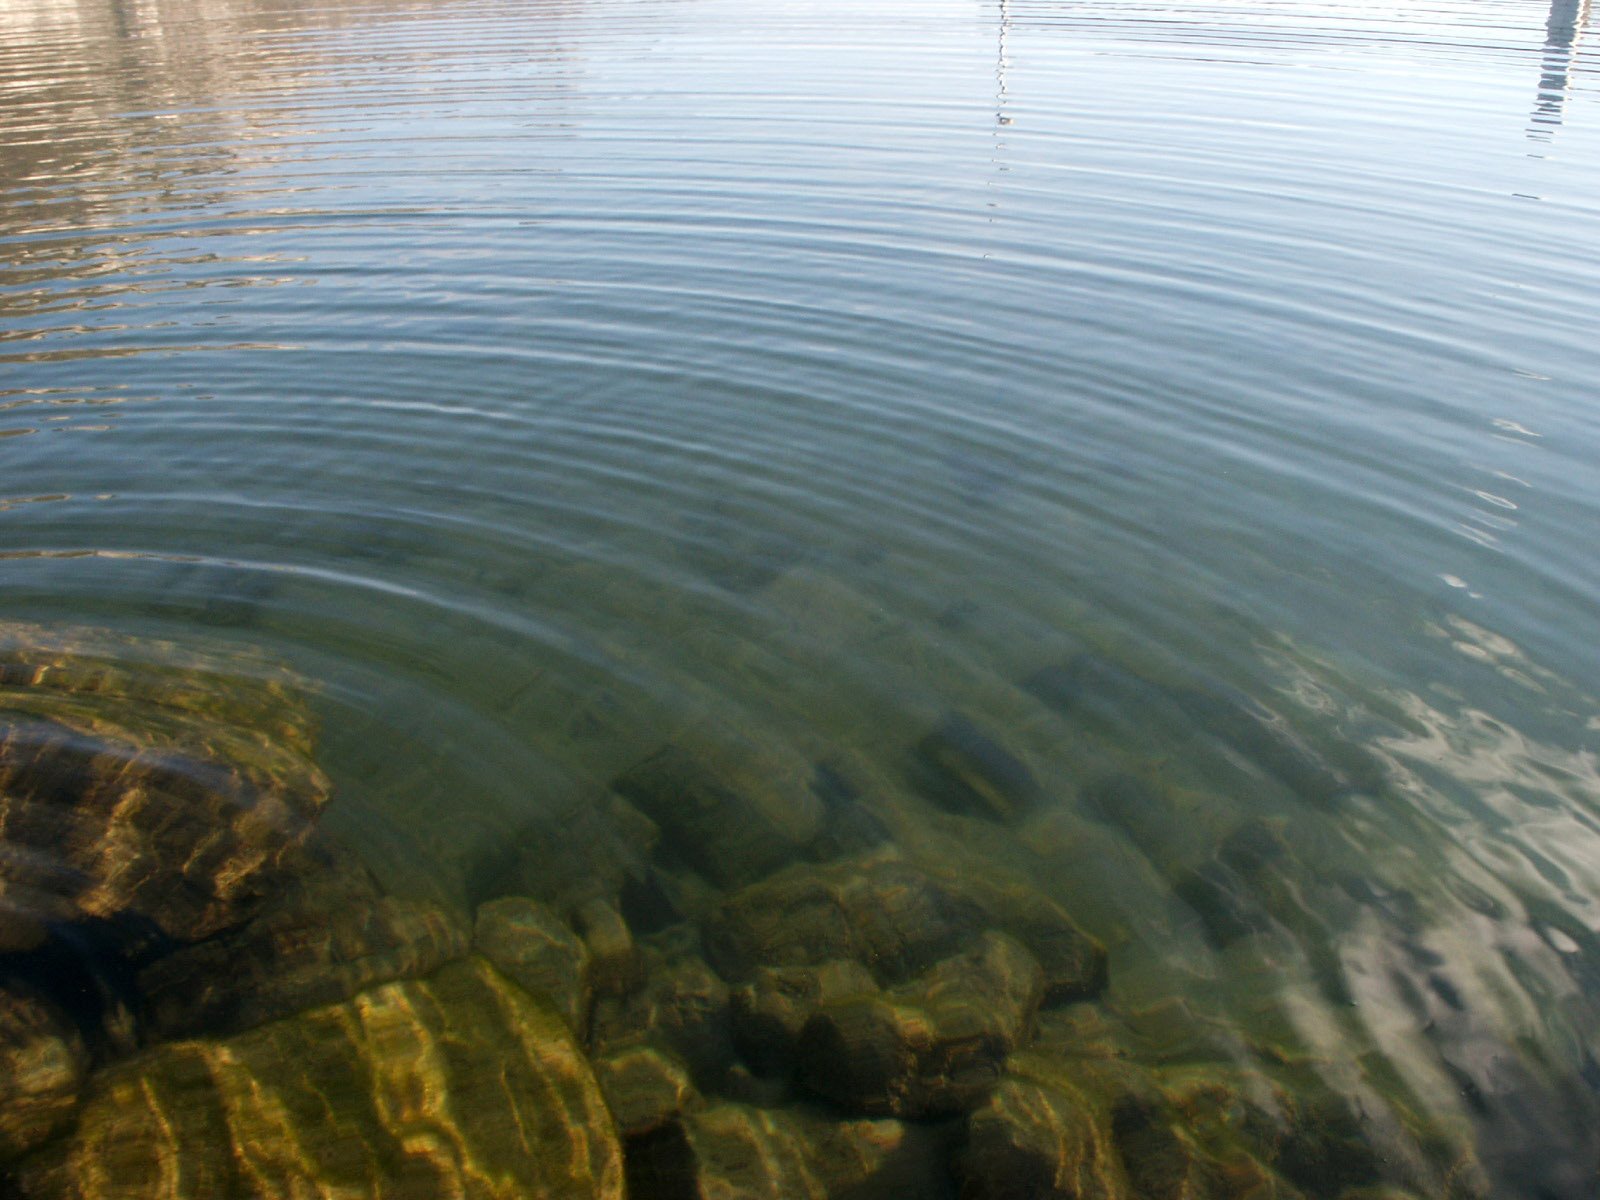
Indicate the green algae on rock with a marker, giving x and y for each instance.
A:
(139, 780)
(460, 1084)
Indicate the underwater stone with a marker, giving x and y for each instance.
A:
(168, 793)
(329, 934)
(594, 849)
(42, 1064)
(1027, 1143)
(931, 1048)
(770, 1012)
(967, 770)
(529, 943)
(682, 1006)
(645, 1087)
(895, 919)
(458, 1085)
(616, 965)
(734, 1152)
(731, 811)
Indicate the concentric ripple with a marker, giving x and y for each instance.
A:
(545, 379)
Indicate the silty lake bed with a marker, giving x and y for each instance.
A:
(697, 599)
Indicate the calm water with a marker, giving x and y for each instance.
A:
(548, 381)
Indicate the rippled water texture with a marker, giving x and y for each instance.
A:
(1143, 457)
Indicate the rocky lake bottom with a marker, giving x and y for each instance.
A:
(732, 972)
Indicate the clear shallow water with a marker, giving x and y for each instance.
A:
(548, 382)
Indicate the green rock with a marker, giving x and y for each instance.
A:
(895, 919)
(771, 1010)
(731, 810)
(645, 1088)
(534, 947)
(929, 1048)
(616, 965)
(964, 768)
(457, 1085)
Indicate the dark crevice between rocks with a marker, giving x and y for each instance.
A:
(88, 971)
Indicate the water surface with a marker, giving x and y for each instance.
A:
(549, 382)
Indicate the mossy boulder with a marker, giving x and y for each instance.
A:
(529, 943)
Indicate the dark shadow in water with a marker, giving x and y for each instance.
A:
(1562, 30)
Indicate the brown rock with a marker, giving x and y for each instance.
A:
(616, 965)
(457, 1085)
(682, 1007)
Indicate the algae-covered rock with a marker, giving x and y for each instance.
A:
(645, 1087)
(327, 935)
(895, 919)
(42, 1064)
(139, 781)
(734, 1152)
(595, 847)
(457, 1085)
(616, 964)
(771, 1010)
(529, 943)
(733, 811)
(929, 1048)
(966, 769)
(682, 1006)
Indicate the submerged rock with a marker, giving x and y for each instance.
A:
(329, 934)
(682, 1007)
(731, 811)
(529, 943)
(138, 782)
(42, 1065)
(930, 1048)
(597, 849)
(967, 770)
(733, 1152)
(896, 920)
(645, 1087)
(770, 1011)
(457, 1085)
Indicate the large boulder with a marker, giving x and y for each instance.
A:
(460, 1084)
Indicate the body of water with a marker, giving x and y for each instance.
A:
(1142, 458)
